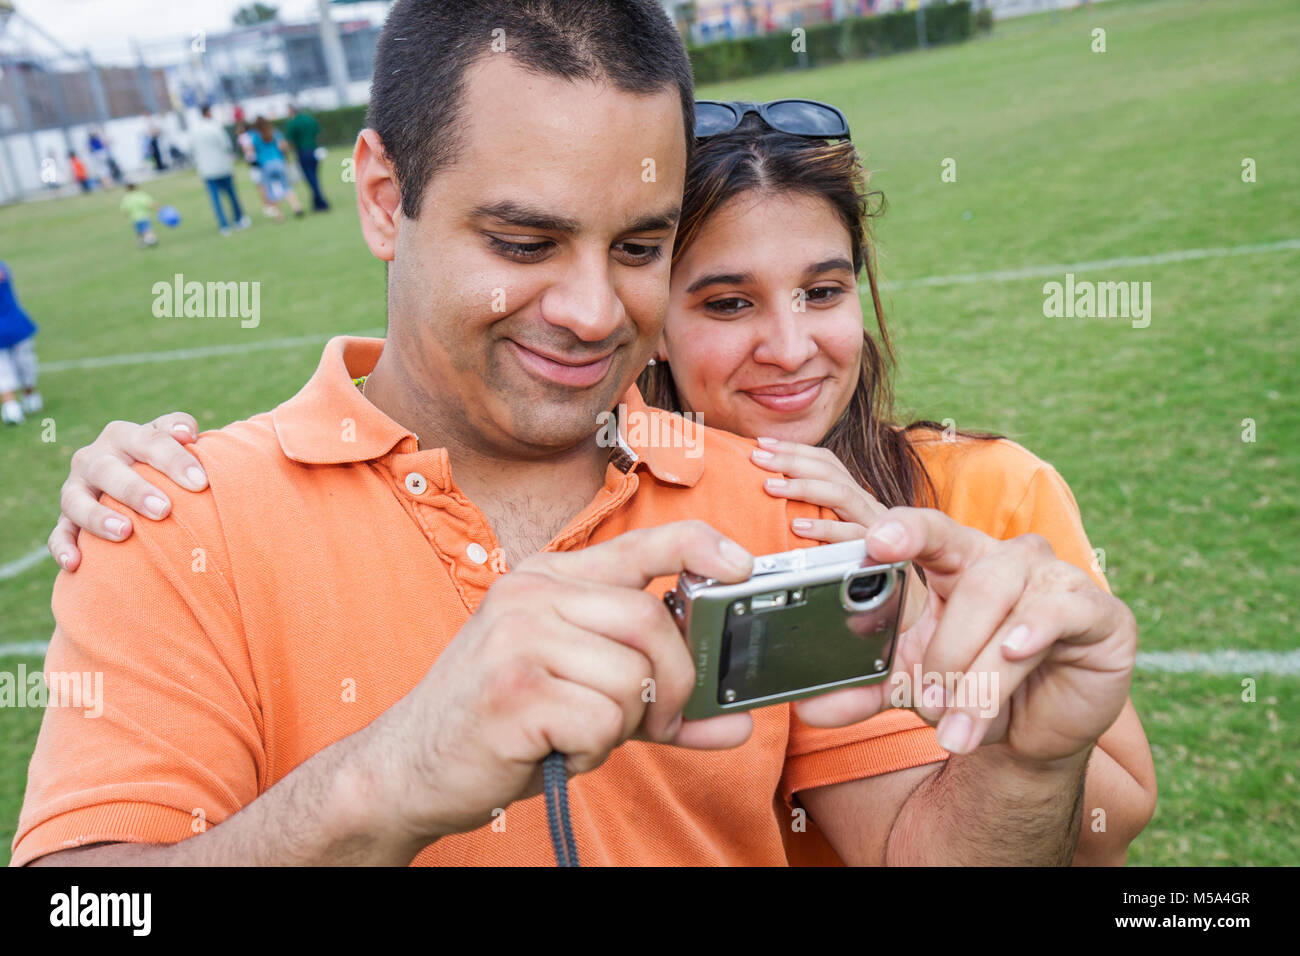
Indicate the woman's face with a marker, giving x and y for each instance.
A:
(764, 328)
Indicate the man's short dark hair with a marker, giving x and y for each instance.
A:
(417, 93)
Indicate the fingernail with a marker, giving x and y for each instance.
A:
(183, 429)
(759, 455)
(154, 506)
(767, 442)
(195, 476)
(954, 732)
(116, 527)
(775, 483)
(801, 524)
(735, 554)
(890, 533)
(1017, 639)
(63, 560)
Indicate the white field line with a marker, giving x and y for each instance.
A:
(29, 560)
(204, 351)
(1123, 262)
(1002, 275)
(25, 649)
(1219, 663)
(1246, 663)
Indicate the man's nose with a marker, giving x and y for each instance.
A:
(585, 301)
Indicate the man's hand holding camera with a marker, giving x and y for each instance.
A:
(555, 659)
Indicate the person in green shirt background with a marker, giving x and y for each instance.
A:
(139, 209)
(302, 130)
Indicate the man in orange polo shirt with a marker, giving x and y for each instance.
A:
(399, 598)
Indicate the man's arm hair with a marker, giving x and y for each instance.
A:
(988, 809)
(979, 809)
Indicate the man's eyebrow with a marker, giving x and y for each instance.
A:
(657, 221)
(529, 217)
(521, 214)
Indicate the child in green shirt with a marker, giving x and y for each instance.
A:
(139, 208)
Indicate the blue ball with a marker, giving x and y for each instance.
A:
(169, 216)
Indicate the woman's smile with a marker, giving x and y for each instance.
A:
(787, 397)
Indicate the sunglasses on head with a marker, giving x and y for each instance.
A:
(795, 116)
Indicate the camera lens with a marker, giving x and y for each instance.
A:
(863, 589)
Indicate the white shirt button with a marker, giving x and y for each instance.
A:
(415, 483)
(476, 553)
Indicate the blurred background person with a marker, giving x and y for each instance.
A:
(79, 172)
(17, 356)
(153, 145)
(212, 150)
(244, 138)
(270, 146)
(302, 131)
(138, 206)
(101, 160)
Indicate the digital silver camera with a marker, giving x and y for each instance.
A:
(806, 622)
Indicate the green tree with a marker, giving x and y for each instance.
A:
(254, 14)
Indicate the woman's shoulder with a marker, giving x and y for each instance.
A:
(946, 450)
(985, 482)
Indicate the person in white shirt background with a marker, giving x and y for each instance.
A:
(212, 152)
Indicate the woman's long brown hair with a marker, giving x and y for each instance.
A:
(754, 157)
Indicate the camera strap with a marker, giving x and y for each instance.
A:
(556, 791)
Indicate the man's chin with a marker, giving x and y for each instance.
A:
(561, 422)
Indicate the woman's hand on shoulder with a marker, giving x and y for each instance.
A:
(104, 467)
(816, 476)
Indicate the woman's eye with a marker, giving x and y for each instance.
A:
(640, 252)
(823, 293)
(524, 251)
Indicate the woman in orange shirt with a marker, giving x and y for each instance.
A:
(764, 337)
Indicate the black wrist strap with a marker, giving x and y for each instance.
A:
(555, 788)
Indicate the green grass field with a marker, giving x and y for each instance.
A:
(1063, 155)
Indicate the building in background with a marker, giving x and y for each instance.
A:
(707, 21)
(52, 99)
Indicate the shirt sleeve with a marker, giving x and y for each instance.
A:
(1048, 508)
(168, 741)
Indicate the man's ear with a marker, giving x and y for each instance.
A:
(379, 201)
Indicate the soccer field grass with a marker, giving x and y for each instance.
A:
(1062, 155)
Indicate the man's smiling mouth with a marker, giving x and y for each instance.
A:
(561, 369)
